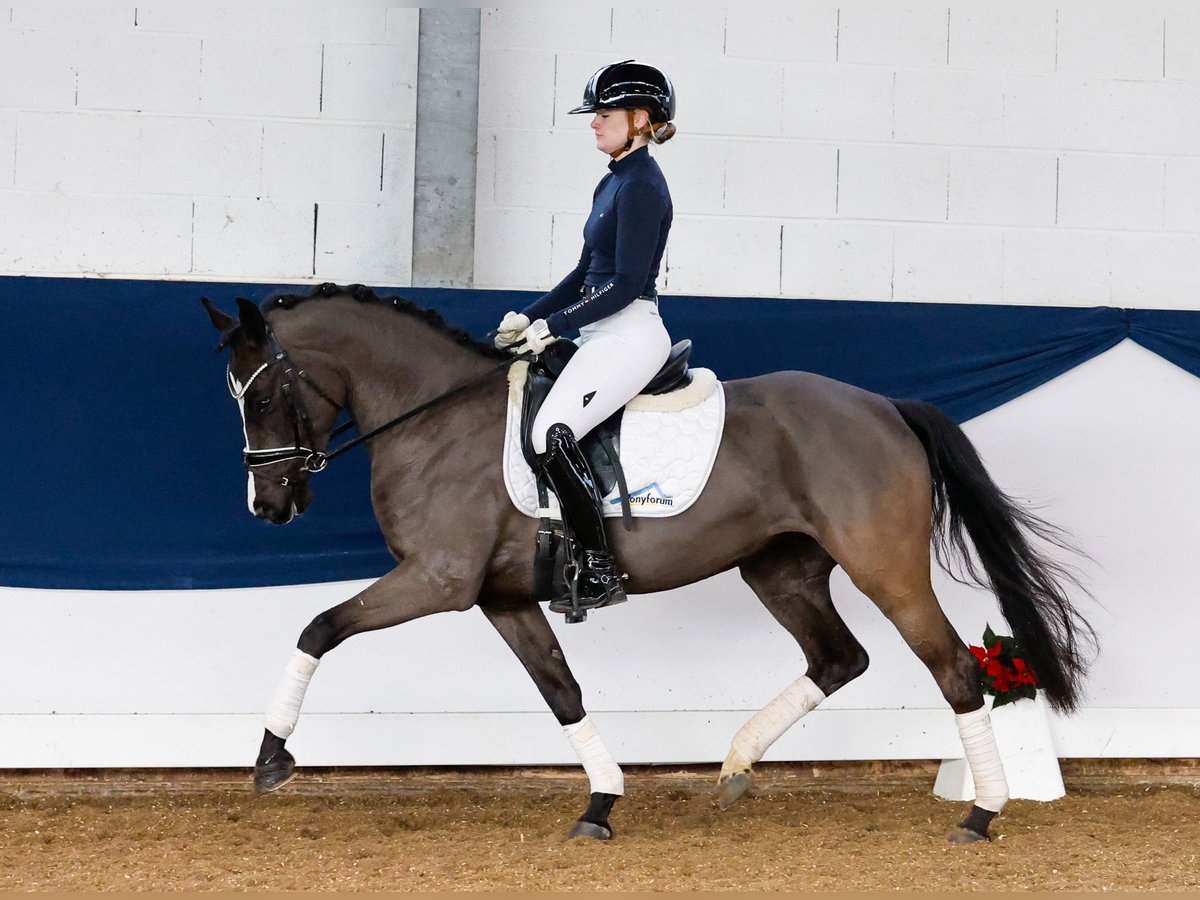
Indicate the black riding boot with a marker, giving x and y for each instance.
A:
(564, 466)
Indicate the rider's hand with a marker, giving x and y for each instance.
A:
(535, 338)
(511, 327)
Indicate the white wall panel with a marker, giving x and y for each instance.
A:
(1114, 42)
(199, 156)
(34, 229)
(949, 107)
(517, 89)
(368, 81)
(781, 179)
(696, 174)
(949, 264)
(838, 260)
(693, 30)
(142, 72)
(157, 108)
(94, 152)
(808, 32)
(1180, 42)
(264, 239)
(1002, 187)
(245, 22)
(1056, 267)
(1118, 192)
(353, 238)
(842, 102)
(8, 148)
(143, 235)
(1182, 189)
(310, 160)
(1008, 37)
(725, 256)
(358, 24)
(898, 183)
(512, 249)
(245, 77)
(1155, 270)
(893, 35)
(38, 69)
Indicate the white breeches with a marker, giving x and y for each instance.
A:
(617, 357)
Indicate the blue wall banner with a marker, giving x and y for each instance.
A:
(123, 468)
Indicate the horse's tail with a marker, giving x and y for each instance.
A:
(1029, 585)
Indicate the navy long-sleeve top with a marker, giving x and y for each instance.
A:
(623, 242)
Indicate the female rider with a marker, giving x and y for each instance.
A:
(610, 298)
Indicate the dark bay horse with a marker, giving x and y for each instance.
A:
(811, 474)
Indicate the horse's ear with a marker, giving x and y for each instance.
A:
(253, 323)
(221, 322)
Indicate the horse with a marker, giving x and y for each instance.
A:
(811, 473)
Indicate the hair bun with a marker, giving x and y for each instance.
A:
(662, 133)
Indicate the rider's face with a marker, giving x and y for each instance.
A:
(611, 127)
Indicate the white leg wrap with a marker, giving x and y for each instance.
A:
(765, 728)
(285, 707)
(602, 770)
(983, 759)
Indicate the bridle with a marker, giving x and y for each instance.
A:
(302, 431)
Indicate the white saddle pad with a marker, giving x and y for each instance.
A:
(668, 445)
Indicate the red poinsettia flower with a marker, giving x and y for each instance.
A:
(1002, 673)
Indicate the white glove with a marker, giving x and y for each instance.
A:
(535, 338)
(509, 331)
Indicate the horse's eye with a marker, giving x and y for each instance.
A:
(263, 404)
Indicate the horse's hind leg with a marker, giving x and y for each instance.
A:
(528, 634)
(791, 578)
(903, 592)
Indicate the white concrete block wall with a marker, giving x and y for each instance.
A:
(252, 144)
(1014, 152)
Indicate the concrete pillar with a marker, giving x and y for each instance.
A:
(443, 252)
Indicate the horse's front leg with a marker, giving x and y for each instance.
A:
(526, 631)
(406, 593)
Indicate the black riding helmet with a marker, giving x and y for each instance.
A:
(630, 85)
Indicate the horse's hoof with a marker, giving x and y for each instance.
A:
(274, 772)
(962, 835)
(731, 787)
(590, 830)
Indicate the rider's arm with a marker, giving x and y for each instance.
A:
(563, 293)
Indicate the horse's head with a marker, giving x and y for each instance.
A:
(286, 418)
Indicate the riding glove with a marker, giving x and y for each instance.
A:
(509, 331)
(535, 338)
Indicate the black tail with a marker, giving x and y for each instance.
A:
(1029, 586)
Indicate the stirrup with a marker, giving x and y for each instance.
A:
(603, 576)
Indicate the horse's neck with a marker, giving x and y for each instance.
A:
(390, 361)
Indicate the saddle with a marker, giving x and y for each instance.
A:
(601, 448)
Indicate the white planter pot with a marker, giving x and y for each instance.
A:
(1027, 751)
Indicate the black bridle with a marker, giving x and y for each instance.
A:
(302, 430)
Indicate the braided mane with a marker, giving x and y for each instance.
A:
(364, 294)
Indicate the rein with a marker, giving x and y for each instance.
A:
(317, 460)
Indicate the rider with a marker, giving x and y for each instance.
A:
(610, 297)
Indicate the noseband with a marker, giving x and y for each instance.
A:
(302, 431)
